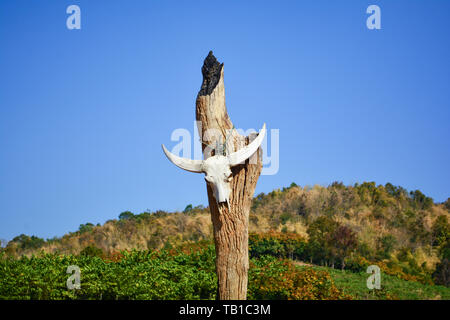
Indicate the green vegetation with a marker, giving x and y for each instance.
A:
(128, 275)
(187, 272)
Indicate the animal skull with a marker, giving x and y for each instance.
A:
(217, 169)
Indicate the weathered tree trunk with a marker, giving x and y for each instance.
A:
(230, 221)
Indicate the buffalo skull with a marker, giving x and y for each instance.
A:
(217, 169)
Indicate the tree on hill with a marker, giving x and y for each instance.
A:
(188, 208)
(342, 243)
(320, 232)
(126, 215)
(85, 227)
(26, 242)
(420, 200)
(394, 191)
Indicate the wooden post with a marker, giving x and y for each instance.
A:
(230, 221)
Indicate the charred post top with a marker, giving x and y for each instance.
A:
(211, 74)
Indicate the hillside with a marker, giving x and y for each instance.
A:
(335, 226)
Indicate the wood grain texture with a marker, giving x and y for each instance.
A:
(230, 222)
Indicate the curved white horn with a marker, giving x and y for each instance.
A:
(183, 163)
(243, 154)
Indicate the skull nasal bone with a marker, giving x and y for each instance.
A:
(221, 193)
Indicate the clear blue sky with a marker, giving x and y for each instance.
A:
(83, 112)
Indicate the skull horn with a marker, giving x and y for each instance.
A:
(183, 163)
(243, 154)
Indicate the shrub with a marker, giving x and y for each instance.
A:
(442, 273)
(91, 251)
(280, 279)
(441, 230)
(285, 217)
